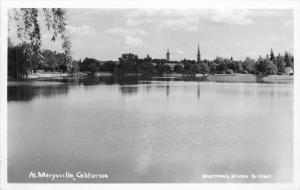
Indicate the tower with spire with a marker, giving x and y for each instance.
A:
(168, 55)
(198, 55)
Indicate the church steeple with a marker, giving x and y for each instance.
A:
(168, 55)
(198, 55)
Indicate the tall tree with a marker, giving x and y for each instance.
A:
(280, 63)
(28, 31)
(203, 68)
(288, 59)
(249, 65)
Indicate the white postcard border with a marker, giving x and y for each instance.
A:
(211, 4)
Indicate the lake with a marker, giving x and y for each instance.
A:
(142, 129)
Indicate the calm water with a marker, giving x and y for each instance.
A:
(150, 129)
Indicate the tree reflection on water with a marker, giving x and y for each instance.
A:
(27, 92)
(128, 86)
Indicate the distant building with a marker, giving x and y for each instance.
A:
(172, 64)
(168, 55)
(288, 70)
(198, 55)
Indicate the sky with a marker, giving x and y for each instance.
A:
(105, 34)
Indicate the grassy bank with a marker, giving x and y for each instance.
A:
(247, 78)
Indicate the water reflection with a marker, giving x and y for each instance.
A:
(167, 89)
(130, 85)
(198, 91)
(150, 129)
(27, 92)
(129, 90)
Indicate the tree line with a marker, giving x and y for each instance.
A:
(51, 61)
(130, 63)
(21, 64)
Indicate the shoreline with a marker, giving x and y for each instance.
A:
(234, 78)
(250, 78)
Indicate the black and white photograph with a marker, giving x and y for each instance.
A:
(149, 95)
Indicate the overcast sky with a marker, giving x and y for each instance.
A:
(107, 33)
